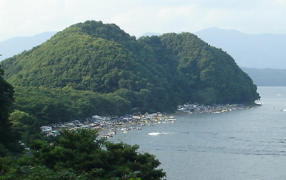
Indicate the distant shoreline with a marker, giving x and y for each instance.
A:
(109, 126)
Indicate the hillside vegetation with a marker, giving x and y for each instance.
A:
(106, 66)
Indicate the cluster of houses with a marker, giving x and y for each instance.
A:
(109, 126)
(196, 108)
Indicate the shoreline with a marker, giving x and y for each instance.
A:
(216, 109)
(108, 126)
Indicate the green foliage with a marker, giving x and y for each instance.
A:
(114, 73)
(211, 74)
(95, 68)
(81, 155)
(26, 125)
(6, 99)
(8, 137)
(58, 105)
(36, 107)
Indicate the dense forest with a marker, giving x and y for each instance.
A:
(115, 73)
(78, 154)
(8, 137)
(94, 68)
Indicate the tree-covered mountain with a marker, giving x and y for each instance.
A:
(210, 74)
(150, 74)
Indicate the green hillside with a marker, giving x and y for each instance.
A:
(211, 74)
(149, 74)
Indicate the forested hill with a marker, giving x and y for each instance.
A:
(149, 74)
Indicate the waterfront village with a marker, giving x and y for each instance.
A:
(109, 126)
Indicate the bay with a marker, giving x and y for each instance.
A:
(239, 145)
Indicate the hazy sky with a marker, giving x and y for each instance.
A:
(27, 17)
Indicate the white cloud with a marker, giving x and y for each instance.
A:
(19, 17)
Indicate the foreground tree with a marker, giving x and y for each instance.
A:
(8, 140)
(81, 154)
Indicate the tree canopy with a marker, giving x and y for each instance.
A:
(81, 155)
(8, 140)
(74, 154)
(94, 68)
(149, 74)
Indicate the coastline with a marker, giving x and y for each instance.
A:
(216, 109)
(109, 126)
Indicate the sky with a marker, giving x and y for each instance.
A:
(29, 17)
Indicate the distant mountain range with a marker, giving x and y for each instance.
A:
(16, 45)
(267, 77)
(249, 50)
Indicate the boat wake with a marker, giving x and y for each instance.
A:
(157, 133)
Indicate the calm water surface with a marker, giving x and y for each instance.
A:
(241, 145)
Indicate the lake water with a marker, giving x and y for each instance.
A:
(240, 145)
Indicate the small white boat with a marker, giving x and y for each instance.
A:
(216, 112)
(154, 134)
